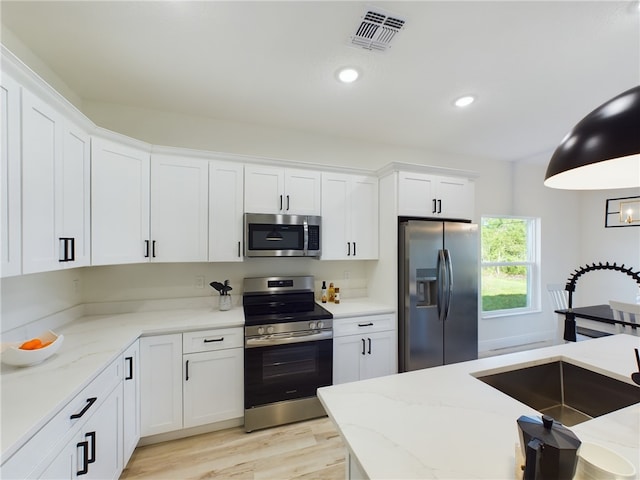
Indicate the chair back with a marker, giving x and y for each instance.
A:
(626, 312)
(558, 296)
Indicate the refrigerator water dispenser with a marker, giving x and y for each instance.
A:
(426, 287)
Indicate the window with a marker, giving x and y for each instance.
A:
(510, 279)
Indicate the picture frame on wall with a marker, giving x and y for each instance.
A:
(622, 212)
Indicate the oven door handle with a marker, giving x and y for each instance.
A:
(287, 338)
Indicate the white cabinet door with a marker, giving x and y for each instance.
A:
(179, 209)
(349, 217)
(416, 194)
(41, 153)
(263, 189)
(456, 195)
(379, 360)
(302, 192)
(213, 386)
(282, 190)
(119, 203)
(364, 218)
(74, 181)
(335, 216)
(10, 177)
(347, 354)
(226, 207)
(160, 384)
(130, 400)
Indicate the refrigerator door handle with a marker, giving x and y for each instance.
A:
(449, 268)
(441, 285)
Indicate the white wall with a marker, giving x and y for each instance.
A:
(600, 244)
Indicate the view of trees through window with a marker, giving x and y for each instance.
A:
(505, 263)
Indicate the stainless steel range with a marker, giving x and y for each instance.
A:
(288, 351)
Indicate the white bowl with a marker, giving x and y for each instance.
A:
(600, 463)
(12, 355)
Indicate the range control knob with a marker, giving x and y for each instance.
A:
(320, 324)
(312, 325)
(270, 329)
(260, 330)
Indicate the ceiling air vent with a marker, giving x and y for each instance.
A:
(376, 30)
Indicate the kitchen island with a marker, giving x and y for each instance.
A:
(444, 423)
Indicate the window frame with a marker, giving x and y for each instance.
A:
(533, 270)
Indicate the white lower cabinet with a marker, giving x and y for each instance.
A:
(364, 347)
(191, 379)
(130, 400)
(96, 450)
(85, 435)
(213, 389)
(160, 384)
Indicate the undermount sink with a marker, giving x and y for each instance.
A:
(566, 392)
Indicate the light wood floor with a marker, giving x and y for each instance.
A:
(305, 450)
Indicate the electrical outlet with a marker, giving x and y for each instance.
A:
(346, 274)
(200, 281)
(76, 285)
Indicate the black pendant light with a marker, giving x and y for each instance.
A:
(603, 150)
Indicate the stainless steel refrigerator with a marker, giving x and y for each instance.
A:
(438, 293)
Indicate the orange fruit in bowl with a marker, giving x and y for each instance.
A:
(32, 344)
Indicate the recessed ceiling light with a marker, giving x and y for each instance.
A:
(348, 75)
(464, 101)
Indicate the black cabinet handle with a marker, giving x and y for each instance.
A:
(369, 352)
(348, 249)
(90, 401)
(439, 206)
(354, 249)
(280, 202)
(362, 345)
(287, 203)
(206, 340)
(146, 249)
(433, 209)
(365, 324)
(153, 249)
(186, 371)
(92, 438)
(238, 249)
(85, 458)
(129, 375)
(67, 249)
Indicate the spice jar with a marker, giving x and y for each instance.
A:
(336, 298)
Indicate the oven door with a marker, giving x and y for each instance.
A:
(286, 371)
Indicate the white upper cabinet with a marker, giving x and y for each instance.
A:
(119, 203)
(281, 190)
(226, 196)
(426, 195)
(55, 189)
(349, 217)
(179, 209)
(10, 177)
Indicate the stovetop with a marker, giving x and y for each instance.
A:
(272, 300)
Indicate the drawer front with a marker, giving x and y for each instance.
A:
(209, 340)
(57, 430)
(364, 324)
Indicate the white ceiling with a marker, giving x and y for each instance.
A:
(537, 67)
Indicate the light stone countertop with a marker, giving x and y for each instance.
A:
(444, 423)
(31, 396)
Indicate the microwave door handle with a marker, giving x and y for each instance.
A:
(305, 241)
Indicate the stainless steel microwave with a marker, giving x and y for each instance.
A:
(274, 235)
